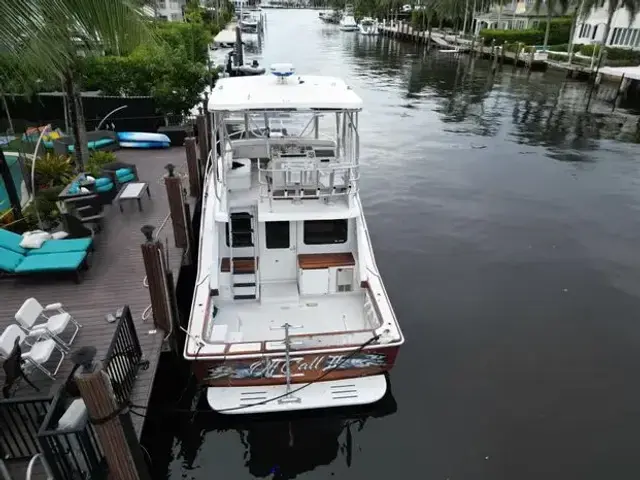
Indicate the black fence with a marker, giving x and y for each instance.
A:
(20, 420)
(59, 427)
(124, 357)
(68, 441)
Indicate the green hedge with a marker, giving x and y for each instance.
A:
(558, 34)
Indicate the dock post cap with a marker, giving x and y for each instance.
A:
(147, 231)
(84, 357)
(170, 168)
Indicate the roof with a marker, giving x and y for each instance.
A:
(300, 92)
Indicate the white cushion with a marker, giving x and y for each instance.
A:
(40, 351)
(84, 190)
(57, 323)
(59, 235)
(34, 239)
(74, 416)
(89, 179)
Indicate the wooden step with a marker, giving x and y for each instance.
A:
(317, 261)
(240, 265)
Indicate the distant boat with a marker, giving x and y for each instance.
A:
(368, 26)
(348, 21)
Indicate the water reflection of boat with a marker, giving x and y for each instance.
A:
(287, 445)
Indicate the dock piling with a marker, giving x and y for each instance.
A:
(159, 286)
(193, 167)
(173, 186)
(125, 463)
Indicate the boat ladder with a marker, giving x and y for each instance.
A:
(244, 279)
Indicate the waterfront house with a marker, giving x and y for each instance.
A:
(623, 34)
(518, 15)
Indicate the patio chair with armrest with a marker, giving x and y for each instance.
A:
(74, 227)
(51, 326)
(13, 371)
(121, 172)
(39, 352)
(89, 210)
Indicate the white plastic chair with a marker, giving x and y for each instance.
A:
(51, 326)
(39, 353)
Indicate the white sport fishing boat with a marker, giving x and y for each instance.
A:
(289, 309)
(368, 26)
(348, 21)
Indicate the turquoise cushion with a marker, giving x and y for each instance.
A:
(105, 188)
(61, 246)
(74, 188)
(54, 262)
(121, 172)
(9, 260)
(11, 241)
(126, 178)
(102, 181)
(101, 143)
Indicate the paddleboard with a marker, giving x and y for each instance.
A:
(143, 137)
(145, 144)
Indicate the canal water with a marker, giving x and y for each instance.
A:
(506, 223)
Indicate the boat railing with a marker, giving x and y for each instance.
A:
(306, 178)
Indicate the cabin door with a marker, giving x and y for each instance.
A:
(278, 261)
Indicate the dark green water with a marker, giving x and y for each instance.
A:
(506, 224)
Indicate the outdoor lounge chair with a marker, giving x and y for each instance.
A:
(14, 263)
(11, 241)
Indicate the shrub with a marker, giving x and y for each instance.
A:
(528, 37)
(589, 50)
(561, 48)
(97, 160)
(558, 34)
(52, 170)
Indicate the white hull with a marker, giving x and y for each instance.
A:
(286, 274)
(273, 398)
(349, 28)
(369, 30)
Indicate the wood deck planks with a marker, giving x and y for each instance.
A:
(114, 279)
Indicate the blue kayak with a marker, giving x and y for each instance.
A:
(145, 144)
(159, 138)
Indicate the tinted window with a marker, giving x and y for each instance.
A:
(241, 230)
(323, 232)
(277, 234)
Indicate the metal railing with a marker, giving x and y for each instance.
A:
(124, 357)
(20, 419)
(72, 450)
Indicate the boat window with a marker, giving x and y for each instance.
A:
(241, 230)
(323, 232)
(277, 234)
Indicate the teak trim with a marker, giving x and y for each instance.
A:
(319, 261)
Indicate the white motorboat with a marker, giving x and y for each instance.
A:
(289, 310)
(348, 22)
(368, 26)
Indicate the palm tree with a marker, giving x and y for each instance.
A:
(631, 6)
(51, 37)
(552, 6)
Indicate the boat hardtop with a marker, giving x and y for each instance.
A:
(300, 92)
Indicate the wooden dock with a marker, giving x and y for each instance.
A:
(114, 279)
(457, 44)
